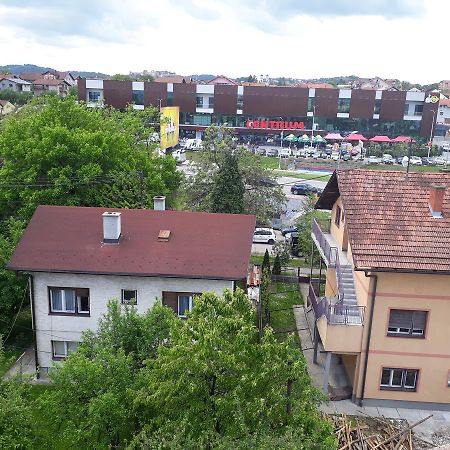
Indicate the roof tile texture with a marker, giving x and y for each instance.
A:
(201, 245)
(389, 220)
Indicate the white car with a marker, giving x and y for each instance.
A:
(264, 236)
(440, 161)
(373, 160)
(284, 153)
(415, 161)
(335, 156)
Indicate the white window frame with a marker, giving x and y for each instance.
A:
(127, 302)
(66, 349)
(402, 386)
(191, 302)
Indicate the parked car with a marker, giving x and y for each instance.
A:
(260, 151)
(345, 157)
(415, 161)
(285, 153)
(399, 160)
(428, 161)
(440, 161)
(324, 154)
(387, 159)
(272, 152)
(293, 243)
(302, 189)
(335, 156)
(373, 160)
(288, 230)
(317, 190)
(316, 154)
(264, 235)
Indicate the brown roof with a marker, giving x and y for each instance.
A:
(201, 245)
(444, 102)
(173, 79)
(31, 76)
(49, 82)
(389, 222)
(4, 102)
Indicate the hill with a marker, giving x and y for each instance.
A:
(19, 68)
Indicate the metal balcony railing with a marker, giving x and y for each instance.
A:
(330, 253)
(336, 313)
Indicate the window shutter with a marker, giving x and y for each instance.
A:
(419, 319)
(170, 299)
(400, 319)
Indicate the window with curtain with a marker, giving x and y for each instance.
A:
(69, 300)
(184, 305)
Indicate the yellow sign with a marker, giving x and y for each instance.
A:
(170, 121)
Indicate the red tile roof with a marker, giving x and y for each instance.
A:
(201, 245)
(389, 222)
(49, 82)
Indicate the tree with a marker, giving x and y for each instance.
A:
(266, 262)
(16, 98)
(262, 197)
(57, 151)
(16, 431)
(276, 266)
(228, 191)
(282, 250)
(94, 391)
(215, 386)
(304, 225)
(121, 77)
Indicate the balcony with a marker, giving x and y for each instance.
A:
(338, 324)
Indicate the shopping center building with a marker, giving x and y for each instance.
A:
(260, 111)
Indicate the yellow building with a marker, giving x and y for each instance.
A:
(384, 309)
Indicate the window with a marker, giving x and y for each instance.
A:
(170, 99)
(344, 105)
(240, 101)
(138, 97)
(185, 303)
(199, 102)
(94, 96)
(311, 104)
(337, 218)
(129, 297)
(61, 349)
(448, 379)
(406, 110)
(407, 323)
(69, 300)
(399, 379)
(211, 102)
(377, 106)
(418, 110)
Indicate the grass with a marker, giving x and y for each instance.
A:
(284, 297)
(412, 168)
(301, 176)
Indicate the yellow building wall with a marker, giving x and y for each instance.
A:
(337, 231)
(331, 289)
(349, 362)
(431, 355)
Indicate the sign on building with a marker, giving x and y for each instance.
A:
(170, 127)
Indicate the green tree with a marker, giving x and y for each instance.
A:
(228, 191)
(121, 77)
(16, 431)
(266, 262)
(282, 249)
(276, 266)
(60, 152)
(16, 98)
(93, 392)
(215, 386)
(263, 197)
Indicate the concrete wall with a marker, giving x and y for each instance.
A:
(101, 289)
(431, 355)
(338, 231)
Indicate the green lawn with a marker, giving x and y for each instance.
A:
(301, 176)
(284, 296)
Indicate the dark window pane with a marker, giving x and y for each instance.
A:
(397, 377)
(138, 97)
(129, 296)
(410, 379)
(385, 377)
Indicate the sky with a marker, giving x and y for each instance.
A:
(404, 39)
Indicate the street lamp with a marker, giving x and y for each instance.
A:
(430, 143)
(312, 128)
(281, 146)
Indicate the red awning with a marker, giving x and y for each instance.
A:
(355, 137)
(333, 136)
(380, 139)
(403, 139)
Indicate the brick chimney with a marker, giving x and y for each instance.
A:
(159, 203)
(112, 227)
(436, 200)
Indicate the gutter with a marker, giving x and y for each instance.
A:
(389, 270)
(33, 319)
(366, 360)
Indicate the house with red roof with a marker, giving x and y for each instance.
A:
(381, 316)
(78, 259)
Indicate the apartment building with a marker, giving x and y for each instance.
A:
(79, 258)
(383, 311)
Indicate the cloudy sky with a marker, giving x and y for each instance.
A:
(405, 39)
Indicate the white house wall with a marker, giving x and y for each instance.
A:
(102, 288)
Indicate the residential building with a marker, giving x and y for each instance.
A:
(67, 77)
(33, 76)
(375, 83)
(80, 258)
(371, 112)
(444, 85)
(443, 115)
(383, 310)
(6, 107)
(15, 84)
(44, 85)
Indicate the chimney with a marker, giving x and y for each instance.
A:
(111, 227)
(436, 200)
(159, 203)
